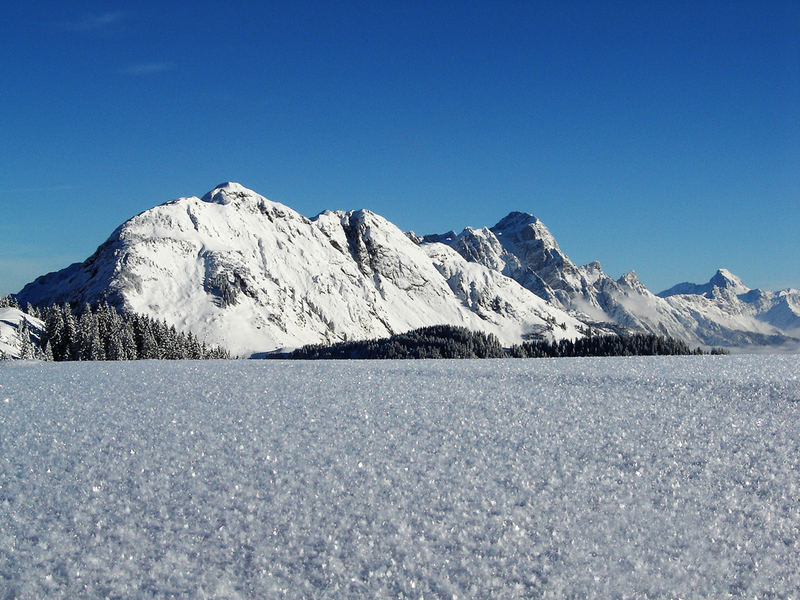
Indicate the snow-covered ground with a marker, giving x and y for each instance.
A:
(635, 477)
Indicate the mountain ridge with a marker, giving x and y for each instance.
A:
(721, 312)
(253, 275)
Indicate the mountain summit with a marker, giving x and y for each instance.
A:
(227, 192)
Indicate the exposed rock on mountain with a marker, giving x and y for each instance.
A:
(723, 282)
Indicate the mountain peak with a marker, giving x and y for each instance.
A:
(515, 219)
(631, 280)
(722, 280)
(226, 192)
(727, 280)
(524, 228)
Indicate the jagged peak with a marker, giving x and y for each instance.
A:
(525, 228)
(631, 281)
(727, 280)
(722, 279)
(593, 266)
(471, 232)
(516, 219)
(630, 278)
(228, 191)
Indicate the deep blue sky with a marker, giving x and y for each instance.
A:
(657, 136)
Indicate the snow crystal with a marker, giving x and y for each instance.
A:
(637, 477)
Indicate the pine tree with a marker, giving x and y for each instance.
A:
(71, 349)
(54, 334)
(89, 345)
(33, 311)
(26, 346)
(47, 352)
(102, 333)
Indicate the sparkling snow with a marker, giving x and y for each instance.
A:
(637, 477)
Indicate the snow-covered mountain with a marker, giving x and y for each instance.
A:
(253, 275)
(722, 280)
(721, 312)
(767, 312)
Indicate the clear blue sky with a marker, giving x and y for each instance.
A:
(657, 136)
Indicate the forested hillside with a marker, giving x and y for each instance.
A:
(103, 333)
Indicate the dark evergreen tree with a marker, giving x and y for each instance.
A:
(33, 311)
(71, 350)
(54, 332)
(440, 341)
(457, 342)
(607, 345)
(26, 346)
(47, 352)
(128, 341)
(102, 333)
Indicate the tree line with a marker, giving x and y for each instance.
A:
(100, 332)
(445, 341)
(438, 341)
(631, 344)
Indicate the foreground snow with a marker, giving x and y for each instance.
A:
(673, 476)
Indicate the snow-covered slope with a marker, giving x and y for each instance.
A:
(516, 312)
(254, 275)
(12, 344)
(721, 312)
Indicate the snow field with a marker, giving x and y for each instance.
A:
(623, 477)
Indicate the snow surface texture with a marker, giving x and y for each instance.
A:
(637, 477)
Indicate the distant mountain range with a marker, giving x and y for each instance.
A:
(255, 276)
